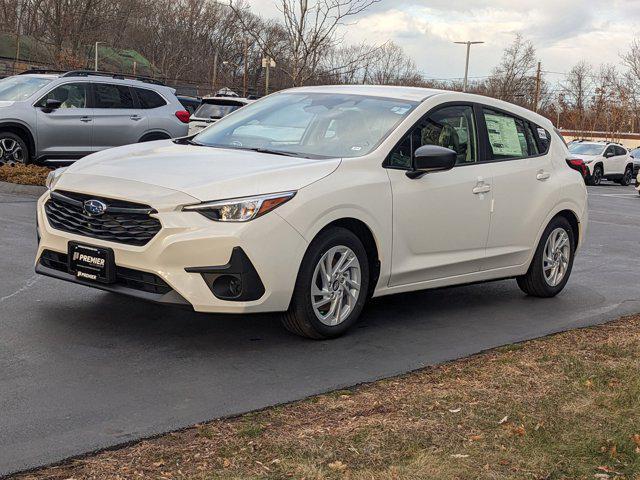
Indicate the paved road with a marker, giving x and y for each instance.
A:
(82, 369)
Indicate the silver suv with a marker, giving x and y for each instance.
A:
(67, 116)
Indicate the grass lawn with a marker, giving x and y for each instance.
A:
(24, 174)
(562, 407)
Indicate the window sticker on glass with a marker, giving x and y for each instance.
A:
(542, 133)
(503, 135)
(401, 109)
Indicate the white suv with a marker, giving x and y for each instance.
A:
(311, 200)
(604, 160)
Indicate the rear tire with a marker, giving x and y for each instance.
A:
(627, 177)
(13, 149)
(331, 288)
(551, 267)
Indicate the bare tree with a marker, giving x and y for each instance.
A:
(513, 78)
(310, 31)
(577, 88)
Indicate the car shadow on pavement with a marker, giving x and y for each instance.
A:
(102, 317)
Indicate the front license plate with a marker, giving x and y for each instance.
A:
(91, 263)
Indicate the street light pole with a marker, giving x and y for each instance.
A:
(466, 67)
(96, 56)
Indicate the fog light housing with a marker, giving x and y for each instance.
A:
(237, 281)
(225, 287)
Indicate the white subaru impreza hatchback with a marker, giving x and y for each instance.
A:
(312, 200)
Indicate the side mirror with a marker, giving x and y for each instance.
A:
(608, 155)
(432, 158)
(51, 104)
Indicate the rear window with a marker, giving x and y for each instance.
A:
(149, 98)
(217, 110)
(113, 96)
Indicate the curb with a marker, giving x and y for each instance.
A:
(15, 189)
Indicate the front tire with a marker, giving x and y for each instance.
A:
(331, 288)
(596, 177)
(552, 263)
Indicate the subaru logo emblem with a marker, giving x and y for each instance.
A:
(95, 207)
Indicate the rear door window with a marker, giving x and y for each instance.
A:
(113, 96)
(510, 137)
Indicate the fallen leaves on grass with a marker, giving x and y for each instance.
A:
(24, 174)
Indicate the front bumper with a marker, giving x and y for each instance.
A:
(186, 248)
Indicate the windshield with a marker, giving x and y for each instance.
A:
(20, 88)
(216, 110)
(586, 148)
(313, 125)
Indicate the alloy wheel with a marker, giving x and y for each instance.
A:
(555, 259)
(597, 176)
(335, 285)
(11, 150)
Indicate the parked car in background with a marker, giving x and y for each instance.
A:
(604, 160)
(66, 116)
(312, 200)
(213, 109)
(190, 104)
(635, 154)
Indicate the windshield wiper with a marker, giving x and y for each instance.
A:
(273, 152)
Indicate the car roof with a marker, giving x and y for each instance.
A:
(102, 79)
(416, 94)
(229, 98)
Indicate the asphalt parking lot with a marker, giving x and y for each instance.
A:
(82, 369)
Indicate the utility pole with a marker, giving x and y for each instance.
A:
(536, 100)
(267, 63)
(215, 73)
(466, 67)
(96, 56)
(246, 67)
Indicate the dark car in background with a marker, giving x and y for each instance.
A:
(189, 103)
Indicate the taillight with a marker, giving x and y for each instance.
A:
(578, 164)
(183, 116)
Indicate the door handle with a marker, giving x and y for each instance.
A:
(85, 119)
(483, 188)
(135, 117)
(542, 175)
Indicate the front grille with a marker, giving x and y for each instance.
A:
(122, 222)
(126, 277)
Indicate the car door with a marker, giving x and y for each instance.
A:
(609, 160)
(525, 188)
(66, 132)
(440, 220)
(622, 159)
(118, 120)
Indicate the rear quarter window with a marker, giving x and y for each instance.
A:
(149, 98)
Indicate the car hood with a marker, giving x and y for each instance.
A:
(205, 173)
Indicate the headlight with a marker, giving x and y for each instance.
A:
(240, 209)
(53, 177)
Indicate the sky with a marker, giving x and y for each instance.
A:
(563, 31)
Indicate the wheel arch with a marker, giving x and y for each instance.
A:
(368, 239)
(24, 132)
(572, 218)
(154, 135)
